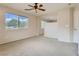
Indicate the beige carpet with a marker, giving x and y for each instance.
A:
(38, 46)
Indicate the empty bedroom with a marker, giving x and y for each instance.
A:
(39, 29)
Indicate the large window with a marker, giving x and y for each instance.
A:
(14, 21)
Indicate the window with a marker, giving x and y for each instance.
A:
(22, 22)
(13, 21)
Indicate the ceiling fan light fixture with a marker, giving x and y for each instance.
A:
(36, 7)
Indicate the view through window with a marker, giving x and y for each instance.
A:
(14, 21)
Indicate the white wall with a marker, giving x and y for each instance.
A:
(50, 16)
(50, 29)
(63, 18)
(7, 35)
(62, 30)
(38, 25)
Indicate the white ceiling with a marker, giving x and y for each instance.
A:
(50, 7)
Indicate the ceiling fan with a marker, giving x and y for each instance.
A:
(36, 7)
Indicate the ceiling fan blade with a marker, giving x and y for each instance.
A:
(42, 9)
(30, 5)
(28, 9)
(40, 5)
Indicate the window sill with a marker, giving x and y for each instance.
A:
(16, 29)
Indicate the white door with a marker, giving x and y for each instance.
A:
(76, 34)
(76, 26)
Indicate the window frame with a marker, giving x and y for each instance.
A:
(6, 27)
(27, 21)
